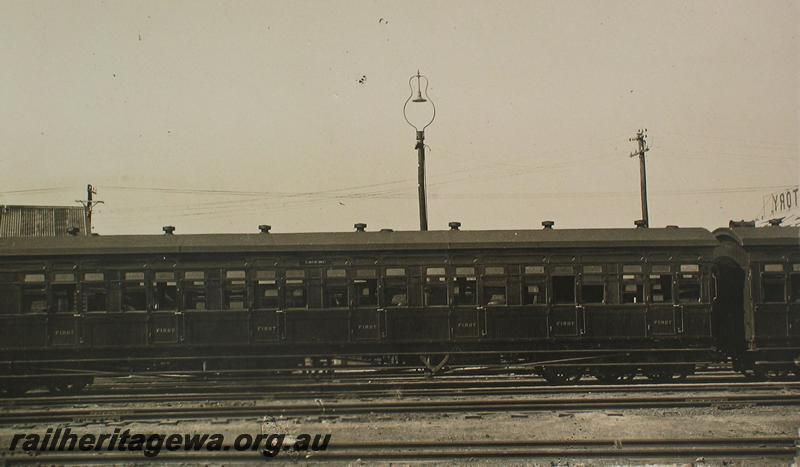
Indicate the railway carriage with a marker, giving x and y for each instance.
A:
(611, 302)
(759, 298)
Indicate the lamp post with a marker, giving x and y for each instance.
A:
(419, 124)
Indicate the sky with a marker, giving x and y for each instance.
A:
(218, 116)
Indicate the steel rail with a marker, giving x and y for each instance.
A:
(320, 408)
(672, 449)
(380, 390)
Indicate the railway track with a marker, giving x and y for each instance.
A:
(773, 449)
(320, 408)
(381, 390)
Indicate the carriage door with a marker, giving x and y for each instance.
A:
(465, 323)
(64, 322)
(662, 314)
(794, 301)
(165, 319)
(564, 309)
(267, 317)
(694, 317)
(366, 322)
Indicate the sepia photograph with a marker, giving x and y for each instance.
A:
(366, 232)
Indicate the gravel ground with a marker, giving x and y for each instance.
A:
(572, 425)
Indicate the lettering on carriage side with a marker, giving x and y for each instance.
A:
(64, 332)
(165, 330)
(266, 328)
(662, 322)
(565, 323)
(467, 325)
(367, 327)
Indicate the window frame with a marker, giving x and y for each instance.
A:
(439, 283)
(534, 275)
(88, 286)
(655, 270)
(773, 277)
(390, 281)
(593, 275)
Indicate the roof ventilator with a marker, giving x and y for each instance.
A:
(168, 229)
(360, 227)
(776, 222)
(264, 228)
(548, 225)
(387, 230)
(640, 223)
(742, 223)
(454, 225)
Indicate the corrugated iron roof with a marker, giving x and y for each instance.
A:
(40, 221)
(359, 241)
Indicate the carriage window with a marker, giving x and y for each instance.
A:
(435, 287)
(194, 295)
(165, 291)
(632, 287)
(689, 284)
(366, 291)
(593, 289)
(235, 275)
(794, 288)
(34, 294)
(235, 295)
(336, 295)
(336, 288)
(494, 292)
(773, 287)
(533, 291)
(534, 269)
(94, 291)
(395, 288)
(295, 293)
(563, 289)
(267, 295)
(465, 286)
(134, 296)
(64, 289)
(660, 287)
(266, 291)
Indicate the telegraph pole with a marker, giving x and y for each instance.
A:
(640, 138)
(88, 205)
(420, 125)
(423, 200)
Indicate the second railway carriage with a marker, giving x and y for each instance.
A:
(759, 296)
(614, 300)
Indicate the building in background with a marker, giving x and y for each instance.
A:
(781, 204)
(42, 221)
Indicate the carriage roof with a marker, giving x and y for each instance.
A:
(446, 240)
(761, 236)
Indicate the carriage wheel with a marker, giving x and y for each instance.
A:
(612, 375)
(667, 375)
(562, 375)
(432, 368)
(69, 387)
(14, 389)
